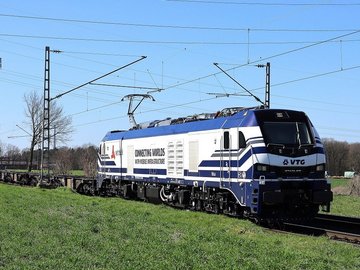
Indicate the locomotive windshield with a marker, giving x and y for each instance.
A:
(287, 133)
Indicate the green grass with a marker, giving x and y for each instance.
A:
(337, 182)
(345, 206)
(77, 172)
(72, 172)
(57, 229)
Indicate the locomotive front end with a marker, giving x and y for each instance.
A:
(289, 176)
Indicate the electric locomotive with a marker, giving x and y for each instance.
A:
(253, 162)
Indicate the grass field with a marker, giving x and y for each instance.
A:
(72, 172)
(57, 229)
(345, 206)
(338, 182)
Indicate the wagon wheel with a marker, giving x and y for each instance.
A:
(8, 178)
(79, 188)
(24, 179)
(33, 181)
(88, 190)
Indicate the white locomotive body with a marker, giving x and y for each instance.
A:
(260, 163)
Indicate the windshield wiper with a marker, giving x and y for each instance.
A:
(276, 144)
(305, 145)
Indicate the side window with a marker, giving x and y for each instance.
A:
(226, 140)
(100, 148)
(242, 141)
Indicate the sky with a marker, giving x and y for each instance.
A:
(313, 48)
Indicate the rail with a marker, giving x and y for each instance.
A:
(340, 228)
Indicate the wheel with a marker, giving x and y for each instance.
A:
(216, 208)
(198, 205)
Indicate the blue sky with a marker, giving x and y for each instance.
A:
(313, 48)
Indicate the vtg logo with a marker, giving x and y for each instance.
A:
(294, 162)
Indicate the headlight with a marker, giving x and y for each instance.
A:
(262, 168)
(320, 168)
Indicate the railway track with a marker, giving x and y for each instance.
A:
(339, 228)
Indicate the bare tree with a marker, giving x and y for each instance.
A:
(33, 113)
(62, 164)
(89, 160)
(60, 124)
(2, 149)
(336, 156)
(13, 152)
(354, 157)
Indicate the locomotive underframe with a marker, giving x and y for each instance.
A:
(274, 200)
(208, 199)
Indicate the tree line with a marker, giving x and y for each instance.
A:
(62, 160)
(341, 156)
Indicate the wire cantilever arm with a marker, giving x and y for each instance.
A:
(227, 74)
(98, 78)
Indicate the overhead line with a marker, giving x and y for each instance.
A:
(254, 89)
(264, 59)
(190, 27)
(126, 86)
(153, 110)
(121, 23)
(124, 40)
(168, 107)
(317, 109)
(180, 42)
(96, 108)
(102, 54)
(298, 49)
(263, 3)
(183, 105)
(310, 77)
